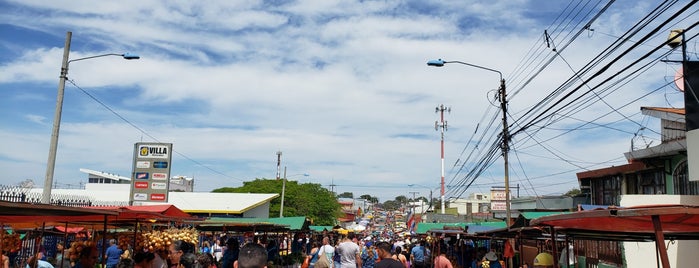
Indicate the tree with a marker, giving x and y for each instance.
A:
(346, 195)
(573, 192)
(372, 199)
(391, 205)
(307, 199)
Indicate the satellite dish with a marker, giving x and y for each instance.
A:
(679, 79)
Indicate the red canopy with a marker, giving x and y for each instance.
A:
(11, 212)
(673, 219)
(157, 212)
(654, 223)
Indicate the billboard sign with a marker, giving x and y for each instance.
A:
(151, 166)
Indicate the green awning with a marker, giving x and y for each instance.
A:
(530, 215)
(294, 223)
(424, 227)
(320, 228)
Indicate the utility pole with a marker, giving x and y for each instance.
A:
(412, 207)
(442, 125)
(281, 208)
(279, 164)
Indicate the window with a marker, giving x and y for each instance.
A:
(606, 191)
(652, 182)
(681, 183)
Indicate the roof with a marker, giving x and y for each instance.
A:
(665, 109)
(597, 173)
(190, 202)
(104, 174)
(473, 227)
(148, 212)
(320, 228)
(671, 114)
(200, 202)
(292, 223)
(25, 212)
(537, 214)
(633, 223)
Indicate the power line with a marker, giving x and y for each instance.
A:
(145, 132)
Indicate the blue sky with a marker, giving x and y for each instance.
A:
(340, 87)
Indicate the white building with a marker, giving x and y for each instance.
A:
(106, 189)
(476, 203)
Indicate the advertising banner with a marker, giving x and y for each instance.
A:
(151, 172)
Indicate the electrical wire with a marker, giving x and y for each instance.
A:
(145, 132)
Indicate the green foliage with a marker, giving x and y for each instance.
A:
(573, 192)
(346, 195)
(372, 199)
(391, 205)
(306, 199)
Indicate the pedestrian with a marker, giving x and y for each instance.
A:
(442, 261)
(37, 262)
(369, 255)
(313, 257)
(206, 247)
(418, 255)
(231, 253)
(5, 259)
(143, 259)
(113, 254)
(383, 250)
(188, 260)
(125, 263)
(400, 257)
(327, 251)
(88, 257)
(217, 250)
(273, 252)
(206, 260)
(178, 249)
(349, 253)
(252, 255)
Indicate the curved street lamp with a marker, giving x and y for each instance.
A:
(51, 163)
(505, 146)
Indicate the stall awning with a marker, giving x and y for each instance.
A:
(12, 212)
(676, 222)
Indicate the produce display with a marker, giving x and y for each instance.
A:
(76, 247)
(11, 242)
(161, 240)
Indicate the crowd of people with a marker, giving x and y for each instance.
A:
(328, 250)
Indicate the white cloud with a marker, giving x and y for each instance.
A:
(340, 87)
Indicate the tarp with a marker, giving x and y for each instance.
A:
(675, 221)
(291, 223)
(14, 212)
(149, 212)
(11, 212)
(473, 227)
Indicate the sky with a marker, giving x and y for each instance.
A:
(341, 88)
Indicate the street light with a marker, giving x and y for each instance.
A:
(428, 188)
(51, 163)
(281, 208)
(505, 146)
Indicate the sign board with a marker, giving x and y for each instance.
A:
(497, 195)
(498, 205)
(151, 170)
